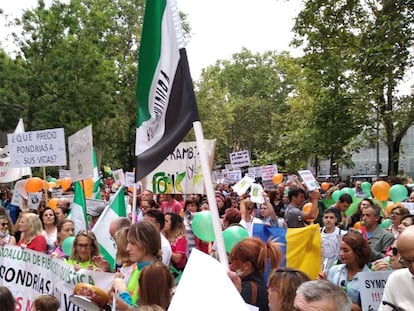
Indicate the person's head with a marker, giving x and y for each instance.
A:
(371, 216)
(329, 218)
(62, 208)
(65, 228)
(282, 286)
(366, 202)
(296, 196)
(231, 216)
(147, 205)
(274, 195)
(144, 242)
(358, 184)
(397, 213)
(156, 217)
(155, 285)
(405, 245)
(252, 255)
(405, 222)
(121, 240)
(354, 249)
(191, 205)
(85, 246)
(204, 206)
(30, 226)
(395, 257)
(411, 197)
(147, 195)
(7, 302)
(264, 210)
(118, 223)
(48, 217)
(321, 295)
(174, 226)
(344, 202)
(6, 224)
(45, 303)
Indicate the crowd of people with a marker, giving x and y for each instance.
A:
(153, 248)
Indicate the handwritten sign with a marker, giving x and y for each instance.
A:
(268, 171)
(309, 180)
(81, 154)
(371, 286)
(240, 159)
(37, 148)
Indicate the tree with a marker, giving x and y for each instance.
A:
(373, 39)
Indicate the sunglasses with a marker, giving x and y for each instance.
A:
(4, 224)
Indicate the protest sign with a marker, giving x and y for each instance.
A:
(37, 148)
(28, 274)
(119, 177)
(81, 154)
(371, 286)
(309, 180)
(240, 159)
(268, 171)
(242, 186)
(181, 170)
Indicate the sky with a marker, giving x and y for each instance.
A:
(220, 28)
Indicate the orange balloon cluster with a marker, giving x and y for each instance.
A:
(34, 184)
(277, 179)
(380, 190)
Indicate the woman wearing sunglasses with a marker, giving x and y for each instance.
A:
(6, 230)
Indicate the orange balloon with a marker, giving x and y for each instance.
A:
(325, 185)
(380, 190)
(52, 184)
(277, 179)
(52, 203)
(306, 208)
(34, 184)
(357, 225)
(87, 186)
(65, 183)
(45, 185)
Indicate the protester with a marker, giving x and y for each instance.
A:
(85, 252)
(6, 230)
(174, 231)
(406, 221)
(62, 208)
(31, 237)
(398, 291)
(247, 213)
(124, 264)
(340, 207)
(294, 216)
(117, 224)
(49, 221)
(157, 218)
(45, 302)
(191, 207)
(331, 237)
(7, 302)
(171, 205)
(275, 198)
(379, 239)
(321, 295)
(390, 261)
(282, 286)
(397, 213)
(356, 216)
(248, 260)
(354, 254)
(65, 228)
(144, 247)
(268, 215)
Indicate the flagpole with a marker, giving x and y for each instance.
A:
(86, 208)
(134, 204)
(208, 183)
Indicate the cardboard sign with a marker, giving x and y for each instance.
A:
(81, 154)
(371, 286)
(268, 171)
(240, 159)
(242, 186)
(37, 148)
(309, 180)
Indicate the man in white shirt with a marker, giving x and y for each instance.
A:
(399, 289)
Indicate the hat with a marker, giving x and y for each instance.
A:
(94, 207)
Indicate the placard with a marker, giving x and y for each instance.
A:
(371, 286)
(129, 179)
(309, 180)
(118, 176)
(37, 148)
(240, 159)
(268, 171)
(234, 176)
(81, 154)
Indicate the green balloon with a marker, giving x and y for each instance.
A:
(336, 194)
(67, 245)
(202, 226)
(366, 187)
(353, 207)
(398, 193)
(349, 191)
(233, 235)
(386, 223)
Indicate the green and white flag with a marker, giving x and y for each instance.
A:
(165, 95)
(115, 209)
(78, 211)
(96, 192)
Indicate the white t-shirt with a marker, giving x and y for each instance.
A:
(330, 243)
(166, 250)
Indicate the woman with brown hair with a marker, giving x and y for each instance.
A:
(49, 221)
(65, 228)
(282, 286)
(396, 215)
(31, 229)
(355, 255)
(174, 231)
(45, 302)
(248, 260)
(85, 250)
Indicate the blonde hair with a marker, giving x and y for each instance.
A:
(94, 250)
(34, 226)
(121, 240)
